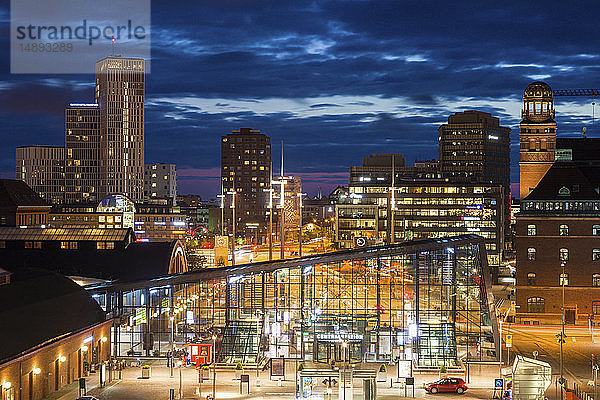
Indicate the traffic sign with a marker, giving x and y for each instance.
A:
(499, 383)
(508, 340)
(360, 241)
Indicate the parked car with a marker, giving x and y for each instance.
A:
(447, 385)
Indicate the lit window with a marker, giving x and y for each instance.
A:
(596, 230)
(531, 254)
(536, 305)
(596, 307)
(563, 279)
(531, 230)
(596, 255)
(563, 230)
(563, 254)
(100, 245)
(64, 245)
(596, 280)
(531, 279)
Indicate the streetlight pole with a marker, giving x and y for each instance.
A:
(281, 210)
(180, 363)
(562, 334)
(344, 344)
(392, 203)
(300, 211)
(270, 190)
(233, 223)
(222, 196)
(214, 362)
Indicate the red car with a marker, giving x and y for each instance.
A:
(447, 385)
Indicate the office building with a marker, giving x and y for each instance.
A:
(82, 152)
(537, 136)
(422, 209)
(160, 181)
(246, 171)
(473, 147)
(42, 168)
(120, 96)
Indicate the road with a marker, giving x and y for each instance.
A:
(577, 349)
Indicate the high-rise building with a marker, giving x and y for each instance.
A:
(104, 142)
(473, 147)
(537, 136)
(82, 152)
(160, 181)
(120, 97)
(246, 170)
(43, 169)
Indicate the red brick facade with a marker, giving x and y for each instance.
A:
(547, 238)
(43, 371)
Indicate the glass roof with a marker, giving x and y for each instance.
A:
(63, 234)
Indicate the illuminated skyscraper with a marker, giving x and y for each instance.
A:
(120, 98)
(82, 152)
(246, 169)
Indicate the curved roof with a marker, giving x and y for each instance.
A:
(538, 89)
(40, 306)
(136, 261)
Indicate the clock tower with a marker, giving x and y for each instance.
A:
(537, 136)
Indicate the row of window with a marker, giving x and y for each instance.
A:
(563, 254)
(538, 305)
(563, 279)
(563, 230)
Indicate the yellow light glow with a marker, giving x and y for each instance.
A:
(62, 358)
(84, 348)
(6, 385)
(104, 339)
(36, 371)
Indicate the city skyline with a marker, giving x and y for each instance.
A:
(336, 86)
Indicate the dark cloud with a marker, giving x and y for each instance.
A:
(374, 76)
(324, 105)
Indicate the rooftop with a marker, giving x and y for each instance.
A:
(16, 193)
(65, 234)
(40, 306)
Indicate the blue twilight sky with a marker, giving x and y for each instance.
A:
(336, 79)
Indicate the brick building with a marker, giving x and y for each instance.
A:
(558, 242)
(50, 338)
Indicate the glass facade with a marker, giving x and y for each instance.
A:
(429, 302)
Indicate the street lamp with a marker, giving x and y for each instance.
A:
(180, 365)
(344, 345)
(561, 337)
(270, 190)
(214, 361)
(300, 212)
(233, 223)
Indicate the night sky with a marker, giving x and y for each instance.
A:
(336, 80)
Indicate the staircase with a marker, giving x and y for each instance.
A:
(240, 342)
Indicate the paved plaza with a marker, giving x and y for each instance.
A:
(131, 386)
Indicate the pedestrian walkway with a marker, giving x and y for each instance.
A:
(227, 387)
